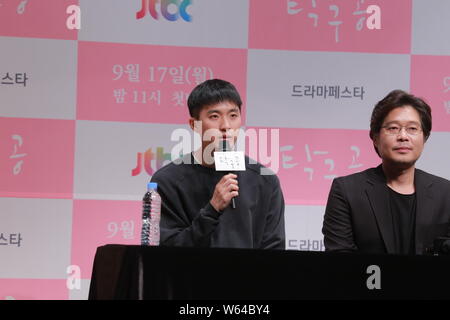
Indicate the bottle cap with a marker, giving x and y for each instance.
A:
(152, 185)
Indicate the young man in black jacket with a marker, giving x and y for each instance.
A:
(196, 198)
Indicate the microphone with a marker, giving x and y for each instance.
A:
(226, 147)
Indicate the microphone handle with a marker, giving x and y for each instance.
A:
(233, 204)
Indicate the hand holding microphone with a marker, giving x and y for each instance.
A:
(226, 189)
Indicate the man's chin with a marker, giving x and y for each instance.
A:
(401, 162)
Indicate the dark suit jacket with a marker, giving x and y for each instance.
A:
(358, 216)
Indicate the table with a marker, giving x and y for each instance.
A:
(176, 273)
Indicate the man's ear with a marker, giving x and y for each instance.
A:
(375, 140)
(191, 122)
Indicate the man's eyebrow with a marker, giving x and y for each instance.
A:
(217, 111)
(398, 122)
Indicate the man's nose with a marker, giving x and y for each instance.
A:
(225, 124)
(403, 135)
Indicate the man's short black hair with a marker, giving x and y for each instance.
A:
(396, 99)
(212, 92)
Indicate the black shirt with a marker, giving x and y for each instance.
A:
(188, 218)
(403, 211)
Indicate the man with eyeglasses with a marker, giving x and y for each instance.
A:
(393, 208)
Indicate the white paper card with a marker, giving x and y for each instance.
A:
(229, 161)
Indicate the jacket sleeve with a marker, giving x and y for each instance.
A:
(274, 232)
(337, 224)
(176, 228)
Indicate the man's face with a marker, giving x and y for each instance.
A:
(400, 140)
(219, 121)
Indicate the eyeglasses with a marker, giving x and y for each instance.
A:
(394, 130)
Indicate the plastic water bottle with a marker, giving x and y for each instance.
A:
(151, 216)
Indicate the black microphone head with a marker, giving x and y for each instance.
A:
(225, 145)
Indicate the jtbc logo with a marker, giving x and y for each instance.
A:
(150, 6)
(160, 160)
